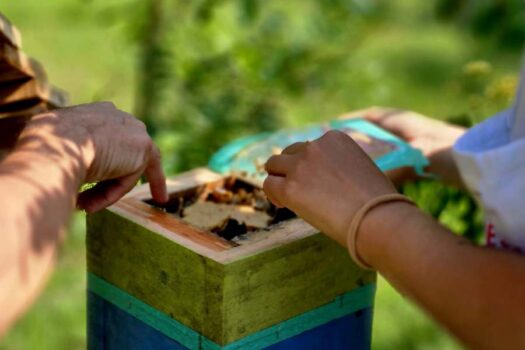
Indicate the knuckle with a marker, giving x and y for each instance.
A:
(133, 120)
(332, 138)
(335, 134)
(269, 163)
(107, 104)
(292, 147)
(140, 123)
(311, 150)
(271, 159)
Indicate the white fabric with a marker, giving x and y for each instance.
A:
(491, 160)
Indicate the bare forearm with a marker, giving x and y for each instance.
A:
(477, 293)
(38, 185)
(39, 181)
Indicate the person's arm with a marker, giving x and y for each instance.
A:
(39, 183)
(477, 293)
(433, 137)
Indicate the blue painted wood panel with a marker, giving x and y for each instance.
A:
(352, 332)
(111, 328)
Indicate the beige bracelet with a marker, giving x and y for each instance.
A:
(351, 240)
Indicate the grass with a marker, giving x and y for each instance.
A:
(87, 51)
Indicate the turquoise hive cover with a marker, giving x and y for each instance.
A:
(248, 155)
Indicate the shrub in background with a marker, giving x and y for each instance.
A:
(214, 70)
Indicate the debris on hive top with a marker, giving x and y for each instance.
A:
(210, 215)
(230, 208)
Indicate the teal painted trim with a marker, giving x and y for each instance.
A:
(343, 305)
(142, 311)
(220, 161)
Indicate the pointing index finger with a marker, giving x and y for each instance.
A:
(156, 177)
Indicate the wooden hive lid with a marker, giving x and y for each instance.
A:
(134, 208)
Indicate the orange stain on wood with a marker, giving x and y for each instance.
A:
(174, 225)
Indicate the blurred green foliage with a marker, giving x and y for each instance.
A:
(213, 70)
(454, 208)
(233, 67)
(204, 72)
(499, 21)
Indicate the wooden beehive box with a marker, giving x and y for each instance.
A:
(205, 291)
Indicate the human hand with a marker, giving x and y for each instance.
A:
(434, 138)
(325, 182)
(110, 147)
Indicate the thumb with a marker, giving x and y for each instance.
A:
(106, 193)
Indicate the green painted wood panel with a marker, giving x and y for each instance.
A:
(275, 285)
(223, 303)
(157, 271)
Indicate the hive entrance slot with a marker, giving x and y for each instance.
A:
(229, 208)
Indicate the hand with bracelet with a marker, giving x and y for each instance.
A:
(476, 293)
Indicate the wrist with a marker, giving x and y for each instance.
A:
(47, 139)
(379, 228)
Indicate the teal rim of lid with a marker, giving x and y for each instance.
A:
(403, 156)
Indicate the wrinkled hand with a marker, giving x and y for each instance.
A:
(112, 148)
(325, 182)
(433, 137)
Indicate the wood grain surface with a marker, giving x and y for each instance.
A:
(224, 291)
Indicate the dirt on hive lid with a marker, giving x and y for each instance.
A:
(210, 215)
(230, 208)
